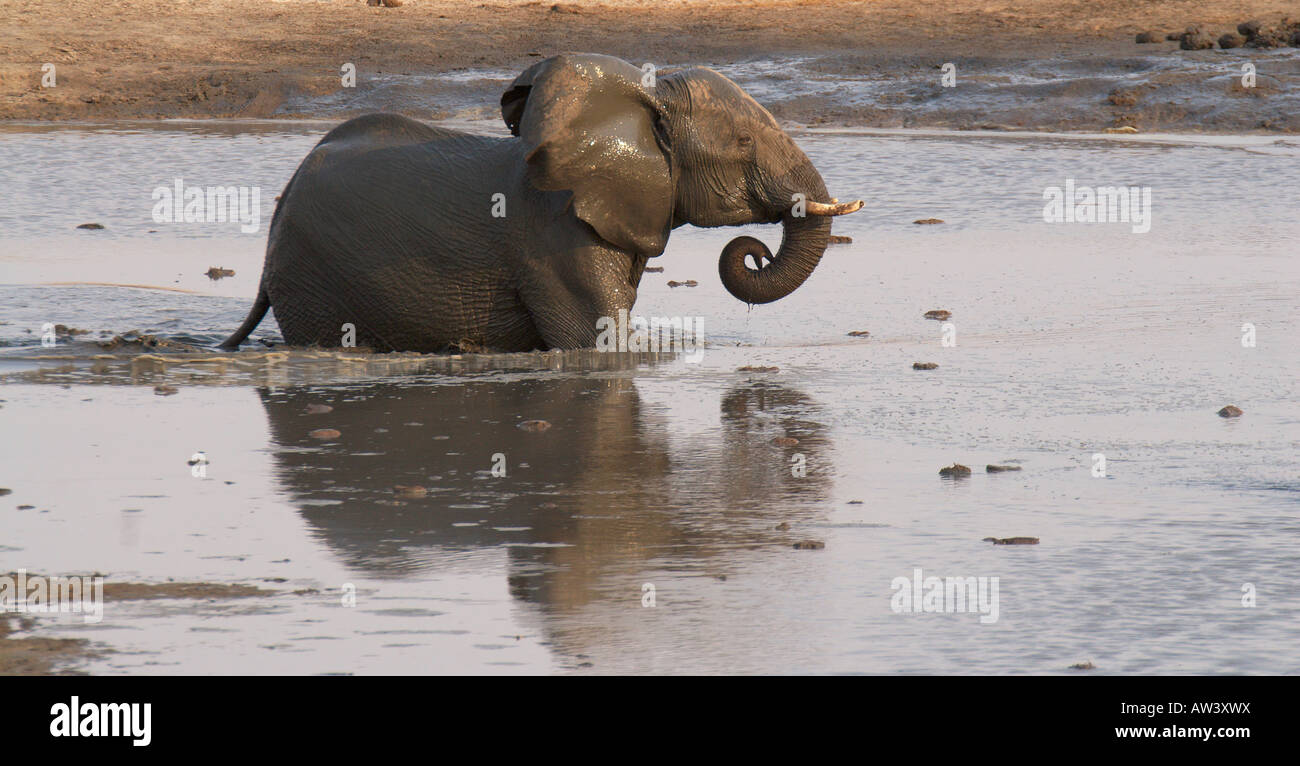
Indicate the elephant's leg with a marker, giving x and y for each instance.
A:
(321, 297)
(567, 294)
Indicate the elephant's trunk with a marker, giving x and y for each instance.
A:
(802, 245)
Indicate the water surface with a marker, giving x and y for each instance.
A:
(1071, 340)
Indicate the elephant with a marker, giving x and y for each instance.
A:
(432, 240)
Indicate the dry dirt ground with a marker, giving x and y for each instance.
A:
(259, 58)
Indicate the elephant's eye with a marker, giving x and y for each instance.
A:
(744, 139)
(661, 130)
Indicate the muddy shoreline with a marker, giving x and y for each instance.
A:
(1058, 65)
(30, 653)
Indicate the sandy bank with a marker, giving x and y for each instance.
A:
(1051, 64)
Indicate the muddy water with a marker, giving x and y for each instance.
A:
(1157, 87)
(1071, 340)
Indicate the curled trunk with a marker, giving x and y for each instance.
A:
(803, 242)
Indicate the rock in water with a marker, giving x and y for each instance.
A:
(1000, 468)
(1195, 41)
(1229, 40)
(1125, 98)
(1267, 38)
(325, 433)
(534, 425)
(134, 338)
(1150, 37)
(955, 471)
(924, 366)
(1012, 540)
(1231, 411)
(939, 314)
(809, 545)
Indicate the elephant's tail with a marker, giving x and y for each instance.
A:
(254, 318)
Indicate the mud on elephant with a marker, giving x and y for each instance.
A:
(427, 239)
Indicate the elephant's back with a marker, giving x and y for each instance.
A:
(394, 143)
(388, 222)
(401, 189)
(383, 128)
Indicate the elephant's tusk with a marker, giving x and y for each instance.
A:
(835, 208)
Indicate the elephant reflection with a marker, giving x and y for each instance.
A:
(593, 497)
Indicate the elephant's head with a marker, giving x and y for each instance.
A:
(692, 147)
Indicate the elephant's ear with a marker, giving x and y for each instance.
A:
(589, 127)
